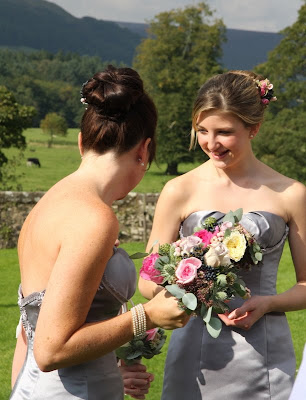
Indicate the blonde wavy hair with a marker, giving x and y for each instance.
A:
(233, 92)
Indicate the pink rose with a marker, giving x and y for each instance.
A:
(188, 243)
(148, 272)
(187, 270)
(265, 101)
(226, 225)
(151, 333)
(205, 236)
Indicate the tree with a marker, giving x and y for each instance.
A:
(53, 124)
(181, 52)
(14, 118)
(281, 143)
(286, 66)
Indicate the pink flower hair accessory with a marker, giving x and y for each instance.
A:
(265, 90)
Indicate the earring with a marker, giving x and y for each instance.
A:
(141, 163)
(251, 136)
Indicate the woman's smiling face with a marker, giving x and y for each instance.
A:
(224, 138)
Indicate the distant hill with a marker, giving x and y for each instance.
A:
(243, 49)
(39, 24)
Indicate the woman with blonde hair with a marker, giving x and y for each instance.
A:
(253, 358)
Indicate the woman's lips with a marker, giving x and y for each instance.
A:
(219, 155)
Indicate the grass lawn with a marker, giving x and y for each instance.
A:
(64, 158)
(9, 281)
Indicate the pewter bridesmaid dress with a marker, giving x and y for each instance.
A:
(257, 364)
(99, 379)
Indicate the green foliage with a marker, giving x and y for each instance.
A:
(286, 66)
(48, 82)
(12, 173)
(53, 124)
(182, 51)
(281, 143)
(14, 118)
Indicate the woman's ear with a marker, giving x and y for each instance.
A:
(80, 144)
(254, 130)
(143, 150)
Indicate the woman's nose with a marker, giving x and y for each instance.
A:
(212, 142)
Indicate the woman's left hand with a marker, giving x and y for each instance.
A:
(136, 380)
(250, 312)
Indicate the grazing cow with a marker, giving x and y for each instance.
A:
(33, 161)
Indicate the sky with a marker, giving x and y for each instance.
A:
(254, 15)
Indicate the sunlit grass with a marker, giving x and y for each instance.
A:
(63, 158)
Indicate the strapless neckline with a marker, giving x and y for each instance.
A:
(245, 213)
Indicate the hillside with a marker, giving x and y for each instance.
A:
(39, 24)
(243, 49)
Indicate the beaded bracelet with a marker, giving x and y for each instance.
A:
(139, 320)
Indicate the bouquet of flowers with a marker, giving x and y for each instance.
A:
(202, 270)
(147, 346)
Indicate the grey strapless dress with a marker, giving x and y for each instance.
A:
(239, 365)
(99, 379)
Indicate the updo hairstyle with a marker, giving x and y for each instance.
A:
(119, 112)
(233, 92)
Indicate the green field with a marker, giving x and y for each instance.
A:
(9, 281)
(64, 158)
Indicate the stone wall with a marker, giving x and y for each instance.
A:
(135, 214)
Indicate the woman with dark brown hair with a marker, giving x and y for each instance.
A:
(73, 279)
(253, 358)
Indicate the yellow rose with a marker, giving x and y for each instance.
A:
(236, 245)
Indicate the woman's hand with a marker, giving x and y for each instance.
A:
(163, 311)
(136, 380)
(250, 312)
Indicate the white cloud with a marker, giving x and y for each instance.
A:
(260, 15)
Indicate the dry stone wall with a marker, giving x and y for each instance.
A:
(135, 214)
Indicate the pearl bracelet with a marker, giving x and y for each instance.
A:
(139, 320)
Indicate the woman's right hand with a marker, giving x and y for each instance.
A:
(163, 311)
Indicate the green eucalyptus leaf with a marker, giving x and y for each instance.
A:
(258, 256)
(229, 217)
(207, 316)
(137, 255)
(176, 291)
(190, 301)
(238, 214)
(227, 233)
(240, 289)
(214, 327)
(203, 311)
(153, 244)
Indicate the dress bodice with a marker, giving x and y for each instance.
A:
(117, 286)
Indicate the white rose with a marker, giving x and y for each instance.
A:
(212, 258)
